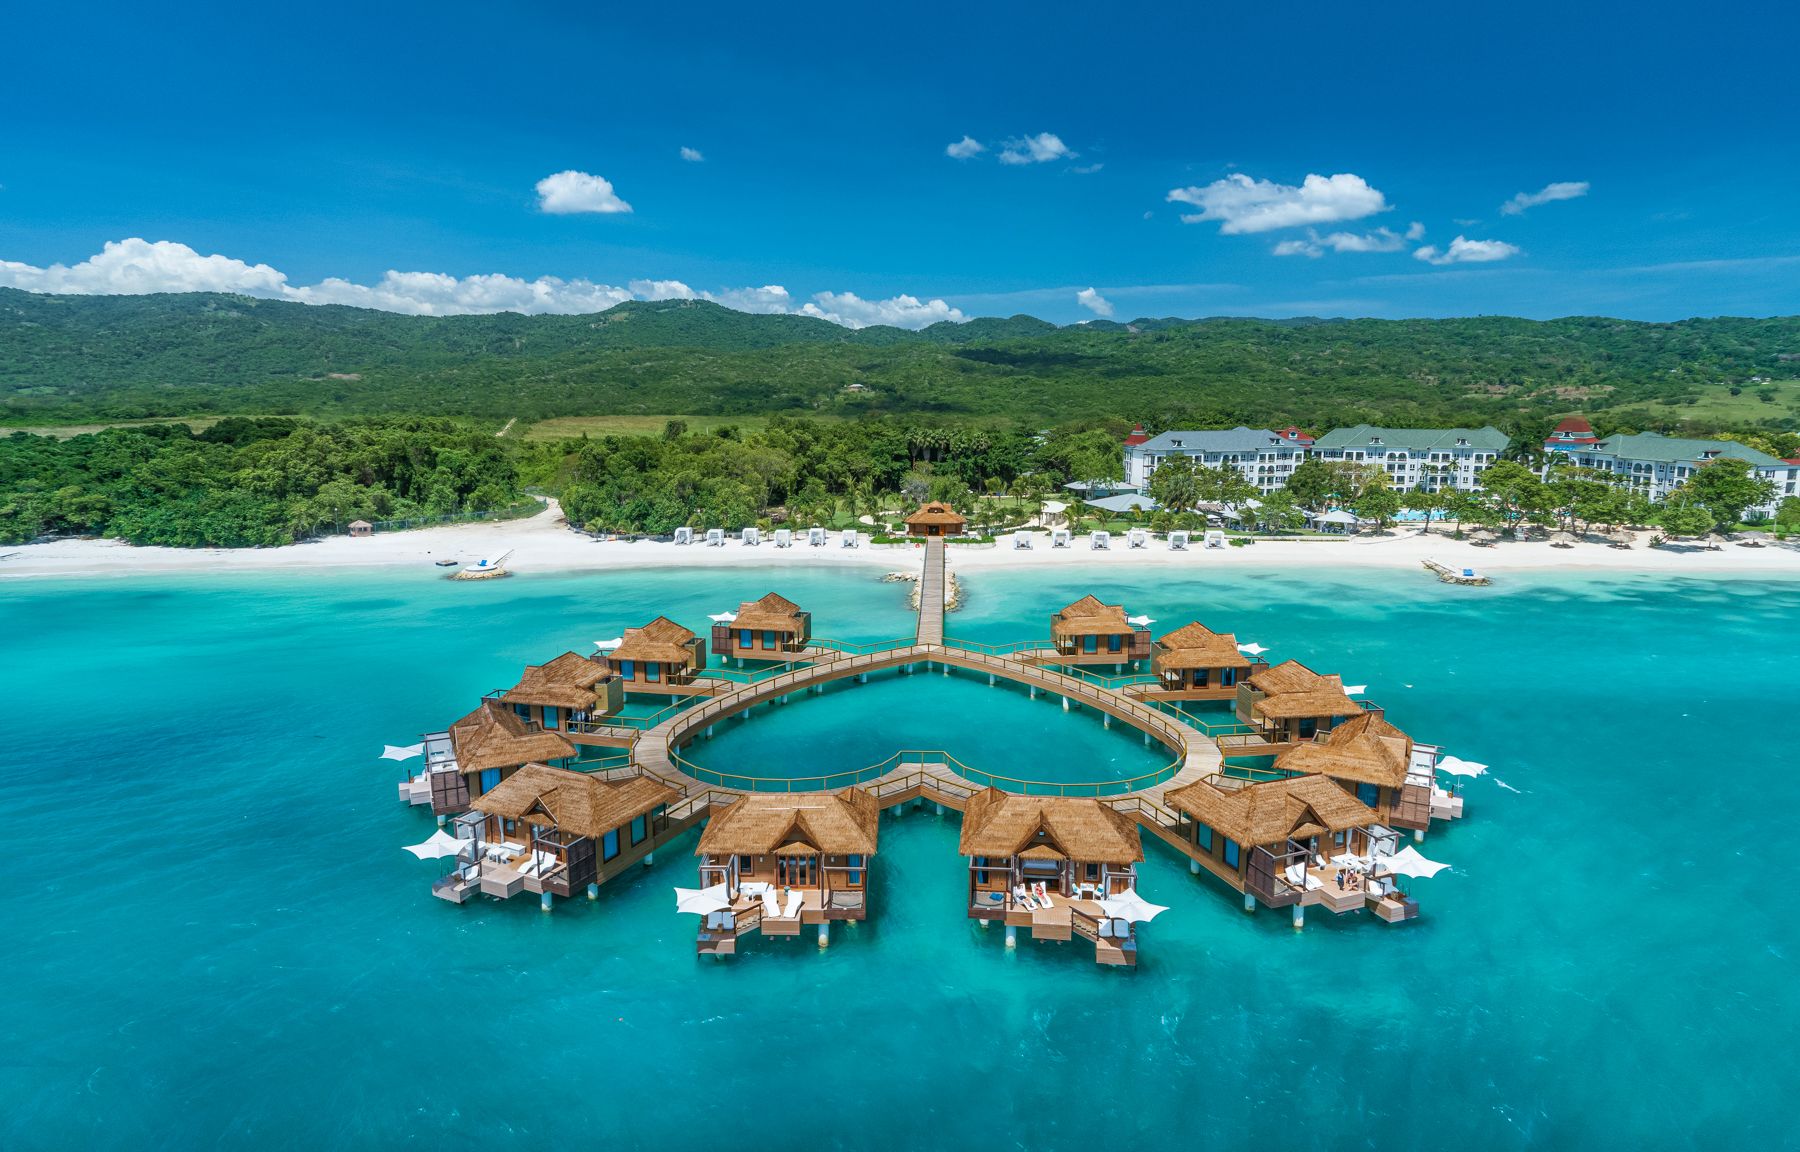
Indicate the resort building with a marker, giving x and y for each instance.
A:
(1375, 762)
(1287, 705)
(1570, 435)
(1045, 862)
(1089, 632)
(361, 528)
(662, 656)
(772, 628)
(935, 519)
(1291, 843)
(1195, 663)
(782, 860)
(483, 748)
(1265, 458)
(567, 694)
(554, 832)
(1427, 459)
(1656, 465)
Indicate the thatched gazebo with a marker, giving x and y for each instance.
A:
(1563, 540)
(936, 519)
(1482, 537)
(1621, 538)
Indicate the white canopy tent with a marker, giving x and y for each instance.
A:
(1128, 905)
(609, 645)
(440, 843)
(1336, 517)
(1139, 621)
(702, 901)
(1460, 767)
(722, 617)
(401, 751)
(1252, 649)
(1407, 862)
(1355, 689)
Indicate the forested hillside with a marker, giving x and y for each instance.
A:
(72, 358)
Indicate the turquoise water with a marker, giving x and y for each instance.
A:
(213, 939)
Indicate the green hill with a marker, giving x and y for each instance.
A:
(84, 358)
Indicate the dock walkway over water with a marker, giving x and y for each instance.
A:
(931, 593)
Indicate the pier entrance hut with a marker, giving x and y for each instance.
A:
(1045, 862)
(567, 693)
(361, 528)
(1289, 704)
(557, 831)
(661, 656)
(1374, 761)
(935, 519)
(485, 747)
(1276, 842)
(1090, 632)
(784, 860)
(1195, 663)
(772, 628)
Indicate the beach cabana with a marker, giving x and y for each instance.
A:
(1195, 663)
(1290, 703)
(1290, 843)
(555, 832)
(935, 519)
(566, 694)
(784, 860)
(1090, 632)
(1045, 863)
(482, 749)
(771, 628)
(1374, 761)
(361, 528)
(662, 656)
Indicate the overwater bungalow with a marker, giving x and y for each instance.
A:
(772, 628)
(784, 860)
(1045, 862)
(1295, 843)
(935, 519)
(555, 832)
(568, 694)
(1195, 663)
(483, 748)
(1289, 704)
(1377, 763)
(1090, 632)
(662, 657)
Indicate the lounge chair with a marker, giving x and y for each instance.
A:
(771, 906)
(795, 898)
(1042, 894)
(1023, 898)
(1296, 874)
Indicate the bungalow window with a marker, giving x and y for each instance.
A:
(1093, 872)
(1308, 726)
(609, 845)
(1090, 643)
(1114, 643)
(639, 829)
(1203, 837)
(1227, 677)
(981, 869)
(1231, 852)
(749, 639)
(490, 779)
(628, 669)
(768, 638)
(549, 716)
(522, 711)
(1369, 794)
(855, 863)
(652, 672)
(1202, 676)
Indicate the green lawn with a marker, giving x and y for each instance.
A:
(68, 431)
(562, 427)
(1716, 404)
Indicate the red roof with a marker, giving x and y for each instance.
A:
(1576, 424)
(1795, 460)
(1137, 435)
(1294, 435)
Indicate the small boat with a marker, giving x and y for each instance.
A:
(446, 563)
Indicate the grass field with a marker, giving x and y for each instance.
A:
(567, 426)
(1717, 405)
(68, 431)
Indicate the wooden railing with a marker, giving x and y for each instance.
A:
(974, 777)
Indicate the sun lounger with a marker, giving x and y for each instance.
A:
(1023, 898)
(1042, 894)
(771, 906)
(1295, 873)
(795, 899)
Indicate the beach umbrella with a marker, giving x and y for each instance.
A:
(1459, 767)
(401, 751)
(722, 617)
(1562, 540)
(1128, 905)
(609, 645)
(702, 901)
(440, 843)
(1623, 538)
(1252, 649)
(1139, 621)
(1714, 541)
(1408, 862)
(1055, 507)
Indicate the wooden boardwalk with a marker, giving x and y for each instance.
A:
(931, 594)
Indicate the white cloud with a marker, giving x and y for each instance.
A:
(1086, 169)
(1094, 302)
(136, 267)
(852, 311)
(1549, 194)
(1315, 245)
(565, 193)
(1039, 149)
(966, 147)
(1463, 251)
(1415, 232)
(691, 155)
(1241, 204)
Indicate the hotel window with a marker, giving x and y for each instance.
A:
(609, 845)
(639, 829)
(1227, 677)
(981, 869)
(490, 778)
(768, 638)
(1369, 794)
(1203, 836)
(1090, 643)
(749, 638)
(627, 668)
(1093, 872)
(855, 863)
(549, 716)
(1231, 852)
(652, 672)
(1114, 643)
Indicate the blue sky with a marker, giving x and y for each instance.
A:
(315, 149)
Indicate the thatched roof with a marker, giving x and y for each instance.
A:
(1089, 617)
(1292, 690)
(759, 823)
(662, 641)
(573, 801)
(494, 736)
(772, 613)
(565, 682)
(936, 514)
(1366, 749)
(1271, 812)
(997, 823)
(1197, 646)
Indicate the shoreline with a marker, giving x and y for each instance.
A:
(543, 543)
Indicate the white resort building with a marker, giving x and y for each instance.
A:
(1656, 465)
(1265, 458)
(1418, 458)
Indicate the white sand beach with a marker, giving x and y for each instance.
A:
(543, 543)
